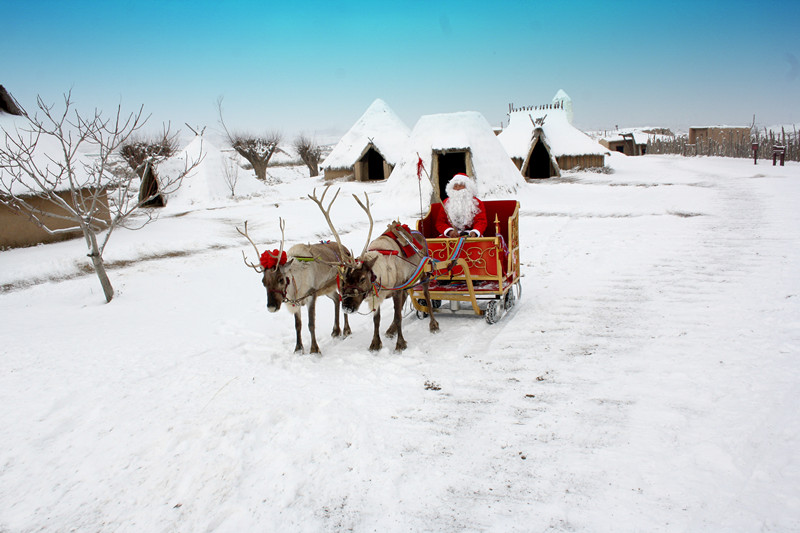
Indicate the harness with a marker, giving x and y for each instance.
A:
(408, 247)
(291, 280)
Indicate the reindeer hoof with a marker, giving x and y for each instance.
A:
(434, 327)
(401, 345)
(346, 332)
(336, 332)
(375, 346)
(298, 349)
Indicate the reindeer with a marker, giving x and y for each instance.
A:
(380, 272)
(297, 278)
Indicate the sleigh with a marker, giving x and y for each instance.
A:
(481, 271)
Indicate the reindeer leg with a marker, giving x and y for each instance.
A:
(434, 324)
(346, 331)
(376, 337)
(399, 299)
(336, 331)
(298, 328)
(312, 312)
(392, 331)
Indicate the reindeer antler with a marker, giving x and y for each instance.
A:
(327, 214)
(369, 214)
(257, 268)
(282, 224)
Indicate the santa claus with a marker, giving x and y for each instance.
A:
(463, 213)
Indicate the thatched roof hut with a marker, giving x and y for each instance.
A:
(450, 144)
(541, 141)
(371, 148)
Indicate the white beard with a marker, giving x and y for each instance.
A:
(461, 208)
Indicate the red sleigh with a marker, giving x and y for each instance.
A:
(483, 271)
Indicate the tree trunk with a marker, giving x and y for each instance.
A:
(313, 169)
(97, 263)
(260, 168)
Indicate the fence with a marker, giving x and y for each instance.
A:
(766, 140)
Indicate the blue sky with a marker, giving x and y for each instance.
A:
(315, 66)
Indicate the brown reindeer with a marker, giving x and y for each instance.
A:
(381, 271)
(306, 273)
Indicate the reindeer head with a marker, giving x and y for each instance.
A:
(276, 282)
(274, 269)
(356, 282)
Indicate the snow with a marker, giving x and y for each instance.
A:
(378, 125)
(207, 183)
(647, 380)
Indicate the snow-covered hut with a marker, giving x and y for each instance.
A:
(371, 148)
(629, 142)
(541, 141)
(449, 144)
(216, 177)
(17, 229)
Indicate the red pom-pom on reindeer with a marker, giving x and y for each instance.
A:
(270, 259)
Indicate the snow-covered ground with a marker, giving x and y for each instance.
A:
(648, 379)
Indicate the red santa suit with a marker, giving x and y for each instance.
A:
(462, 215)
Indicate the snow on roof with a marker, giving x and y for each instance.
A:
(494, 173)
(639, 135)
(206, 183)
(562, 137)
(379, 125)
(561, 96)
(47, 155)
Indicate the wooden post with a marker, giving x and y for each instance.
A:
(755, 153)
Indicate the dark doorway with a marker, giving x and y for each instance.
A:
(374, 162)
(538, 163)
(150, 190)
(449, 164)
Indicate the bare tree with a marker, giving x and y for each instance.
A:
(257, 150)
(310, 153)
(230, 172)
(64, 185)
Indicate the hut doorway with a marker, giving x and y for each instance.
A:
(371, 166)
(539, 165)
(374, 161)
(149, 189)
(448, 164)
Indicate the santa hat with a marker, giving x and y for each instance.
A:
(463, 179)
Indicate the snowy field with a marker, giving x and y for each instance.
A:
(648, 379)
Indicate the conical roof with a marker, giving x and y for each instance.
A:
(563, 137)
(381, 127)
(206, 183)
